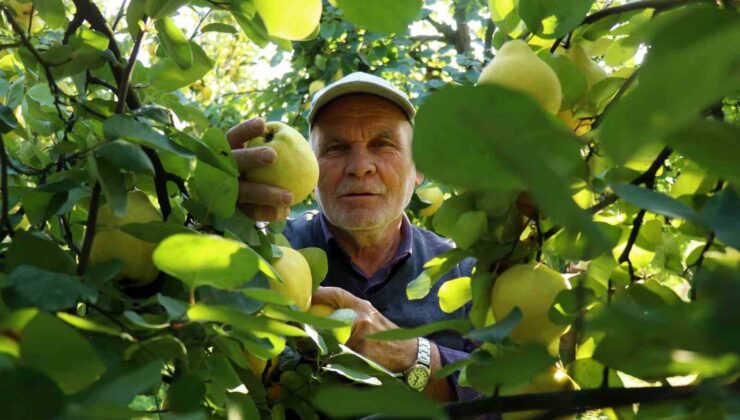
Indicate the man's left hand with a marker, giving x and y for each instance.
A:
(396, 356)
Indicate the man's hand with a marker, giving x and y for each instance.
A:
(396, 356)
(261, 202)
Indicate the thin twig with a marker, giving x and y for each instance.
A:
(92, 220)
(123, 83)
(5, 221)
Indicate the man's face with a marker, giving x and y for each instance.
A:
(366, 175)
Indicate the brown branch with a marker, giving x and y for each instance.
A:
(76, 22)
(5, 219)
(119, 16)
(488, 40)
(630, 7)
(92, 220)
(125, 80)
(92, 14)
(575, 401)
(622, 90)
(160, 182)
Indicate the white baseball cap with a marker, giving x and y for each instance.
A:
(360, 82)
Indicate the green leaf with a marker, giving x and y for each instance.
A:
(174, 42)
(176, 309)
(126, 156)
(569, 304)
(48, 290)
(157, 9)
(459, 325)
(53, 347)
(351, 374)
(36, 203)
(21, 391)
(721, 214)
(86, 324)
(572, 79)
(8, 122)
(135, 15)
(577, 247)
(139, 321)
(166, 75)
(497, 332)
(112, 183)
(186, 393)
(216, 192)
(242, 321)
(712, 144)
(393, 400)
(285, 314)
(206, 260)
(126, 384)
(553, 18)
(213, 149)
(219, 27)
(36, 249)
(488, 136)
(654, 202)
(123, 126)
(89, 38)
(505, 15)
(515, 365)
(164, 347)
(691, 64)
(253, 27)
(454, 293)
(154, 231)
(52, 11)
(434, 269)
(316, 258)
(387, 16)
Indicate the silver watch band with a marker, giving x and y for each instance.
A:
(424, 355)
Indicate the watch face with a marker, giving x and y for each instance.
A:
(417, 378)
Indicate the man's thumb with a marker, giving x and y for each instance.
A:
(335, 297)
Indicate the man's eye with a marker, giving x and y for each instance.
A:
(335, 148)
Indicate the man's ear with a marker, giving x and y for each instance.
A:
(419, 177)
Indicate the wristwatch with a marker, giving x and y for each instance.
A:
(417, 376)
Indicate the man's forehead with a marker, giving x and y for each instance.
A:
(360, 105)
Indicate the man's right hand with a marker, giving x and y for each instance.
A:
(261, 202)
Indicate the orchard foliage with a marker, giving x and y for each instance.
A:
(632, 189)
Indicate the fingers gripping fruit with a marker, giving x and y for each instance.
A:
(295, 168)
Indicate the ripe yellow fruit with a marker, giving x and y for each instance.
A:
(315, 86)
(111, 242)
(517, 67)
(296, 274)
(295, 168)
(341, 334)
(533, 288)
(289, 19)
(554, 380)
(433, 195)
(594, 73)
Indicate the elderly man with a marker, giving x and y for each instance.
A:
(361, 129)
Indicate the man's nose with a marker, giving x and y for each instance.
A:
(360, 163)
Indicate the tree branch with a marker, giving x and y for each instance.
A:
(92, 220)
(160, 182)
(123, 82)
(5, 219)
(92, 14)
(575, 401)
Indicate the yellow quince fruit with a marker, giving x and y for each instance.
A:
(295, 169)
(532, 288)
(110, 242)
(517, 67)
(296, 274)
